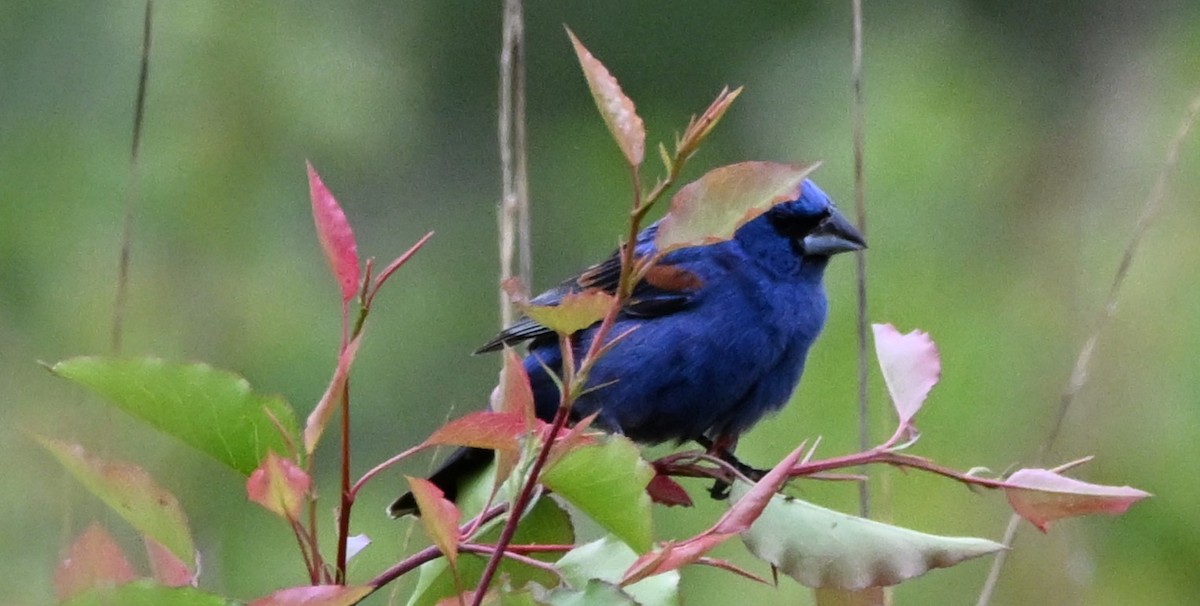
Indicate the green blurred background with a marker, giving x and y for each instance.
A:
(1009, 149)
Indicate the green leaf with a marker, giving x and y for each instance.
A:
(608, 483)
(132, 494)
(575, 312)
(547, 523)
(607, 560)
(594, 593)
(711, 208)
(823, 548)
(147, 593)
(212, 410)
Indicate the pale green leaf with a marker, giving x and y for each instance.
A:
(824, 548)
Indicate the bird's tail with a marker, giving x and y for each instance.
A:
(460, 465)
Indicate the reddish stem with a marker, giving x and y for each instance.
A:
(347, 499)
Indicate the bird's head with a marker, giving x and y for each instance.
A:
(813, 221)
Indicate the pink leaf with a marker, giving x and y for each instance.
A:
(711, 208)
(167, 569)
(731, 567)
(279, 486)
(911, 367)
(1042, 496)
(484, 429)
(93, 560)
(739, 517)
(398, 263)
(332, 399)
(666, 491)
(319, 595)
(617, 110)
(337, 239)
(439, 517)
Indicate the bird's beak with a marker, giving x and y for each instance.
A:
(836, 234)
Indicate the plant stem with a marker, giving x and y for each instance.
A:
(347, 498)
(514, 515)
(1079, 374)
(860, 207)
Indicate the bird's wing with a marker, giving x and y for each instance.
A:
(666, 289)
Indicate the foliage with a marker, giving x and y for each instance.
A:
(522, 522)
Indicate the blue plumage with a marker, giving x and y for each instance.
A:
(720, 333)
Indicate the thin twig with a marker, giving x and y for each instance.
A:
(513, 211)
(1079, 374)
(131, 196)
(860, 208)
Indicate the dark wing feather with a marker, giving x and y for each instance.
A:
(647, 301)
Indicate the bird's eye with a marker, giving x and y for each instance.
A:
(799, 225)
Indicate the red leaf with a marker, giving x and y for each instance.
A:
(93, 560)
(332, 399)
(439, 517)
(617, 110)
(337, 239)
(318, 595)
(513, 394)
(398, 263)
(711, 208)
(483, 429)
(279, 486)
(1043, 496)
(698, 129)
(666, 491)
(911, 367)
(168, 569)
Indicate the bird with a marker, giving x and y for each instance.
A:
(715, 336)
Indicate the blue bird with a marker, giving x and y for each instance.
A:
(720, 335)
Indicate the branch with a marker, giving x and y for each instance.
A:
(1079, 375)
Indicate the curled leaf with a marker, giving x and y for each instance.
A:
(617, 109)
(827, 549)
(911, 367)
(279, 486)
(332, 399)
(711, 208)
(698, 128)
(1043, 496)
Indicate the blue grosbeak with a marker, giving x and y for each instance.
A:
(721, 333)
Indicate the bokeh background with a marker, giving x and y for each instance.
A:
(1009, 148)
